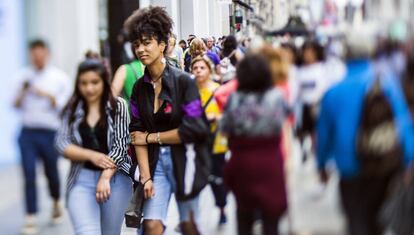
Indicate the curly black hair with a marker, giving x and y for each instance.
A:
(149, 22)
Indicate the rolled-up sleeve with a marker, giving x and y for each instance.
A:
(194, 127)
(119, 150)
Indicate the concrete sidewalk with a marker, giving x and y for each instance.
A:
(313, 209)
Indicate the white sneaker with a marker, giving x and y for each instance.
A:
(57, 213)
(30, 226)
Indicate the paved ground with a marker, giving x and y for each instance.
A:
(313, 209)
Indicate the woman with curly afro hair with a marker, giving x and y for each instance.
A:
(168, 128)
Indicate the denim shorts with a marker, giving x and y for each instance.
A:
(156, 208)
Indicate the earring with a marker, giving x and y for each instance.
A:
(163, 60)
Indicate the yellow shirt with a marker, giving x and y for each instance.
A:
(220, 143)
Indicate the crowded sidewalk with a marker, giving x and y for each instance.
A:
(313, 209)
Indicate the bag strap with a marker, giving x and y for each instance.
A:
(134, 71)
(230, 55)
(209, 99)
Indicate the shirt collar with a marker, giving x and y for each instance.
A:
(167, 82)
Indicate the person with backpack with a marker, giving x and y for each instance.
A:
(127, 74)
(125, 77)
(202, 69)
(230, 56)
(366, 127)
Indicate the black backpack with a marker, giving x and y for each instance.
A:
(379, 150)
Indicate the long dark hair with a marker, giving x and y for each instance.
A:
(97, 66)
(229, 45)
(317, 48)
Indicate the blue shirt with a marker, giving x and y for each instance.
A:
(340, 116)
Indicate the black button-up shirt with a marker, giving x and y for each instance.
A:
(180, 108)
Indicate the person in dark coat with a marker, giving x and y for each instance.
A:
(168, 127)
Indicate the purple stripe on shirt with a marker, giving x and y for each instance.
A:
(193, 109)
(134, 109)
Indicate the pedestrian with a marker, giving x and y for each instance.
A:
(253, 121)
(44, 91)
(199, 48)
(182, 44)
(174, 53)
(187, 55)
(231, 50)
(312, 83)
(211, 47)
(168, 128)
(202, 69)
(126, 76)
(366, 127)
(279, 67)
(94, 137)
(230, 56)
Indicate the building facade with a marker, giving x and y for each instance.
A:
(200, 17)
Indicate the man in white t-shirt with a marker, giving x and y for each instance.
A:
(44, 90)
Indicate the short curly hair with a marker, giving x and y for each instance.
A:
(149, 22)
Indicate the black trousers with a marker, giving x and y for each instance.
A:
(246, 219)
(362, 200)
(216, 182)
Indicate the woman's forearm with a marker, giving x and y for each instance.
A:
(108, 173)
(119, 80)
(76, 153)
(166, 137)
(143, 163)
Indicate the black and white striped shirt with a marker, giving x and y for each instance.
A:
(117, 138)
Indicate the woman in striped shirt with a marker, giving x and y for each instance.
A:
(94, 136)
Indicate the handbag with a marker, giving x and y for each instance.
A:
(134, 214)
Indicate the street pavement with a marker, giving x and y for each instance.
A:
(314, 210)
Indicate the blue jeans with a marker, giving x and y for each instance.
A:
(36, 143)
(156, 208)
(92, 218)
